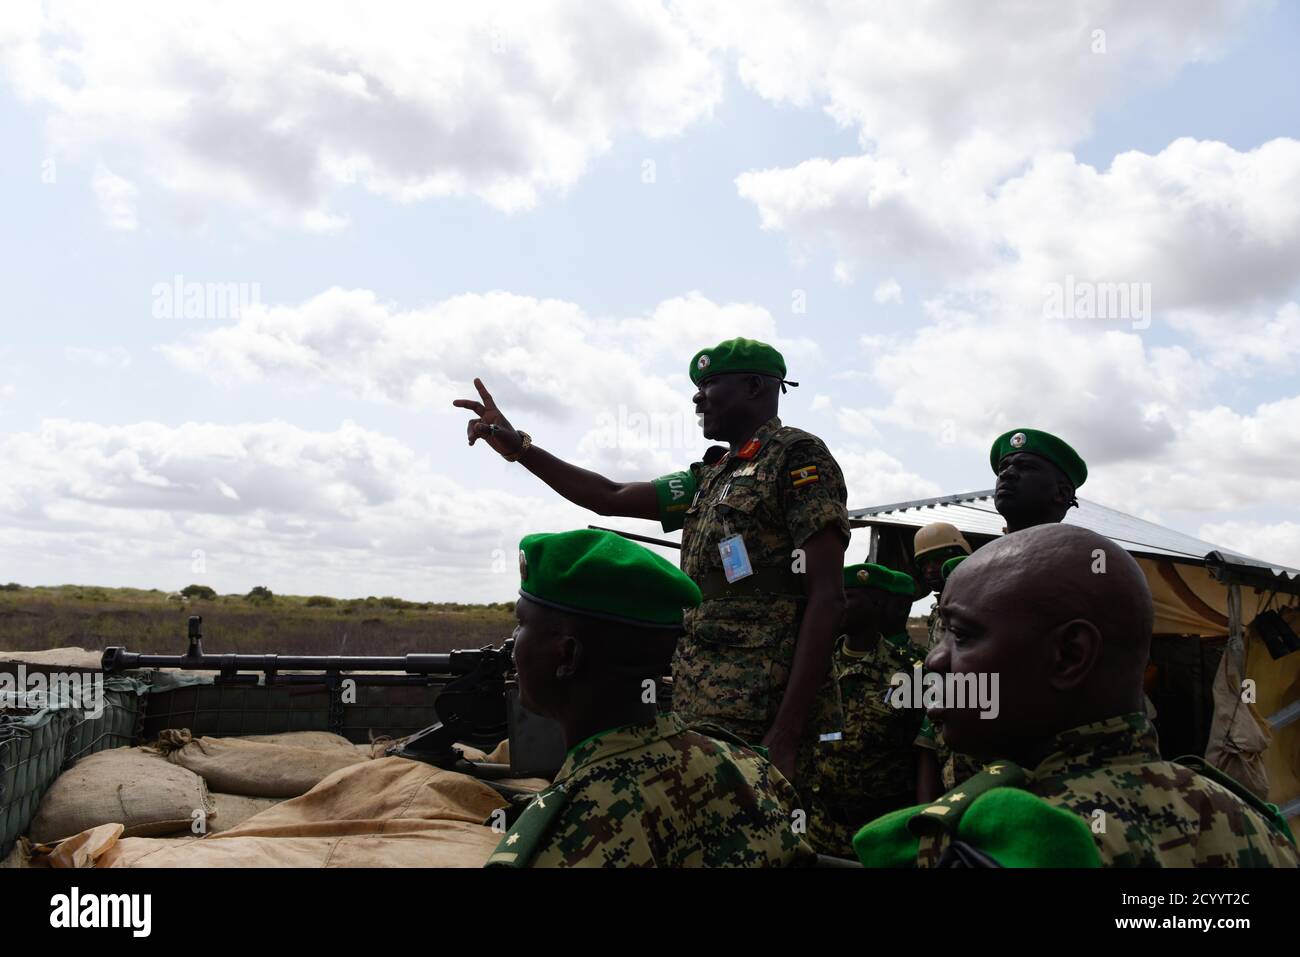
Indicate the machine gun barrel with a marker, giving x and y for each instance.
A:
(476, 703)
(457, 662)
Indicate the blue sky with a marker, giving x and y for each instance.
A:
(179, 434)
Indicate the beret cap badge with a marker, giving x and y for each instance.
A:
(703, 363)
(1018, 440)
(523, 566)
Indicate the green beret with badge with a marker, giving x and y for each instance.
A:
(1043, 444)
(878, 576)
(950, 565)
(738, 355)
(603, 575)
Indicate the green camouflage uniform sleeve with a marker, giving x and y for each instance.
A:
(685, 800)
(813, 494)
(674, 493)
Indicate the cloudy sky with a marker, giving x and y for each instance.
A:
(252, 252)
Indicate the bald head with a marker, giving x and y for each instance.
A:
(1063, 616)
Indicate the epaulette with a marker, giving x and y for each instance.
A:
(1269, 812)
(949, 808)
(524, 839)
(903, 644)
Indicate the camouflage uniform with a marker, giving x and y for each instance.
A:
(1155, 813)
(954, 767)
(732, 665)
(871, 769)
(659, 795)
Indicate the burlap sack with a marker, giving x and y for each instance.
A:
(255, 768)
(390, 812)
(313, 740)
(127, 786)
(231, 810)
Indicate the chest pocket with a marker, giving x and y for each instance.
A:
(738, 502)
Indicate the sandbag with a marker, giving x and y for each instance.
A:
(231, 810)
(391, 812)
(255, 768)
(313, 740)
(127, 786)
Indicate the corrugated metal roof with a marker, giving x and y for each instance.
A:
(974, 513)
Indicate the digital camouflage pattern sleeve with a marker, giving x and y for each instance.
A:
(660, 795)
(1144, 811)
(813, 492)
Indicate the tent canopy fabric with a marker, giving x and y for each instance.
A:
(1180, 569)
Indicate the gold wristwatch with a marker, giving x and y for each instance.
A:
(526, 444)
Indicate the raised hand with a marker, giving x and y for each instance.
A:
(491, 426)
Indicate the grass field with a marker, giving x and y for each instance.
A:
(33, 619)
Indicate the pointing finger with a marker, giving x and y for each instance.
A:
(475, 407)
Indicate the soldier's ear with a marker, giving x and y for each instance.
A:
(570, 658)
(1075, 651)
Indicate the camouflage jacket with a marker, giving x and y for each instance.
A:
(871, 768)
(1143, 811)
(659, 795)
(733, 663)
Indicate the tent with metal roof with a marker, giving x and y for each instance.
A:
(1199, 589)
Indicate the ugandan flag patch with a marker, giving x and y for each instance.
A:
(804, 476)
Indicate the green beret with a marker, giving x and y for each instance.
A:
(878, 576)
(1043, 444)
(737, 355)
(604, 575)
(946, 569)
(1010, 825)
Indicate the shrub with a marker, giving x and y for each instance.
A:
(260, 593)
(322, 601)
(199, 591)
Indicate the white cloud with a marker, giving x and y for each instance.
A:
(623, 381)
(965, 380)
(1207, 227)
(969, 90)
(1278, 542)
(888, 290)
(277, 105)
(116, 197)
(348, 512)
(874, 477)
(1219, 459)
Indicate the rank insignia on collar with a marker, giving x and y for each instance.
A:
(750, 449)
